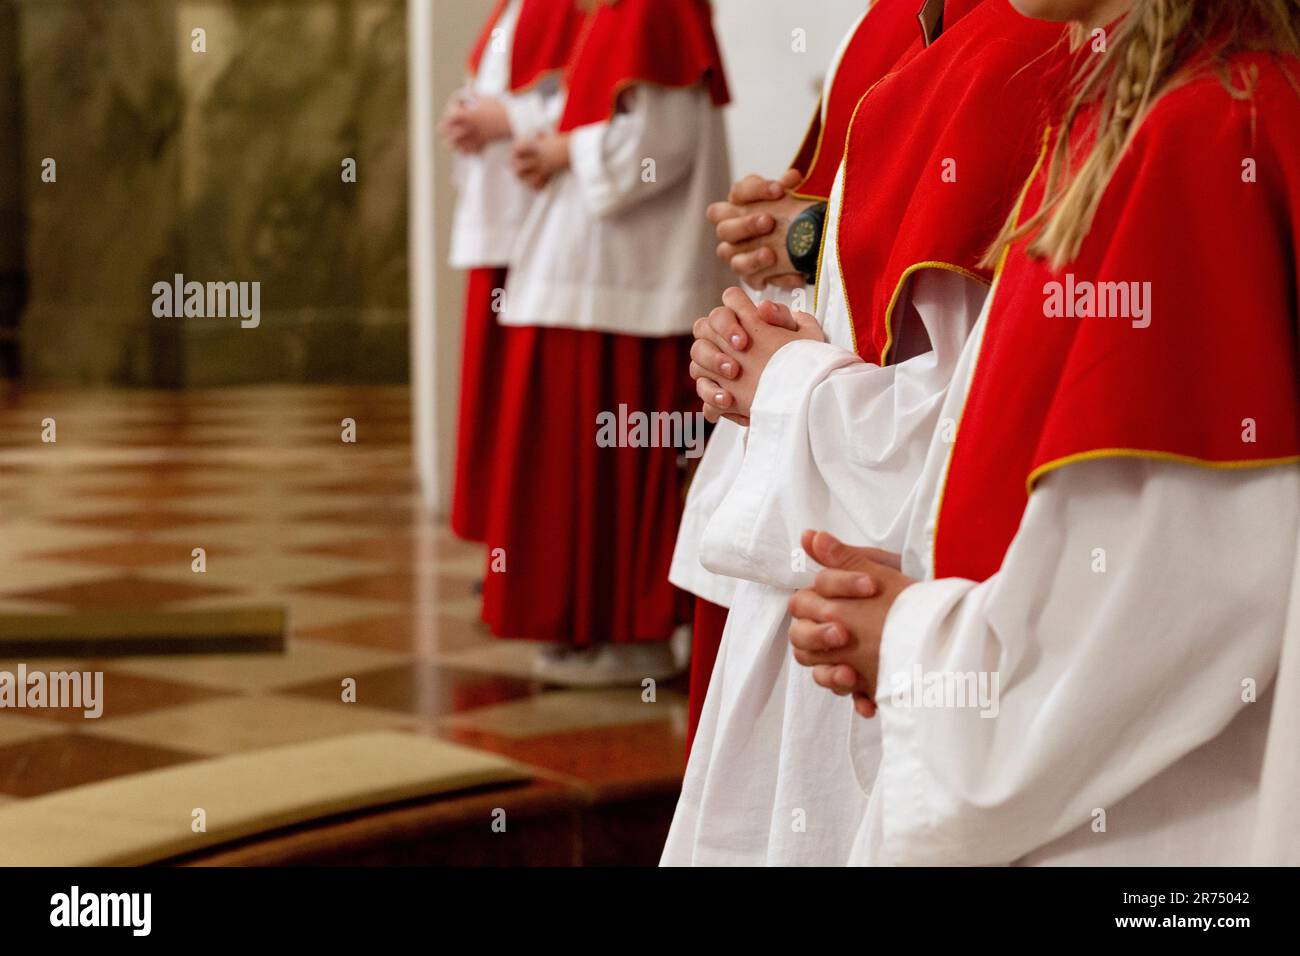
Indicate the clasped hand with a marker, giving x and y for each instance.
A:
(734, 344)
(839, 621)
(751, 227)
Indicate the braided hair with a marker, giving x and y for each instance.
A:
(1147, 55)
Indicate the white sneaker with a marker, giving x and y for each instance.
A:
(605, 665)
(680, 643)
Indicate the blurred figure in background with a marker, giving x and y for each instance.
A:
(512, 92)
(613, 265)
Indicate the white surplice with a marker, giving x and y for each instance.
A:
(1277, 828)
(618, 242)
(713, 479)
(1136, 602)
(837, 444)
(491, 201)
(722, 458)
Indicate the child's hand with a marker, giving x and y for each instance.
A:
(733, 346)
(469, 125)
(839, 621)
(751, 227)
(538, 159)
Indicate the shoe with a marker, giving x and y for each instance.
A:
(605, 665)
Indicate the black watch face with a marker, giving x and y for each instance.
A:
(802, 238)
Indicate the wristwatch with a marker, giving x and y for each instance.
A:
(803, 241)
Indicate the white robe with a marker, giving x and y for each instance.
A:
(713, 479)
(618, 242)
(1277, 829)
(726, 450)
(1120, 690)
(491, 201)
(837, 444)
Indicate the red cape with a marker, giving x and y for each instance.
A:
(937, 153)
(1219, 360)
(545, 36)
(888, 32)
(627, 42)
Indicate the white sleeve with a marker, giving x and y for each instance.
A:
(1134, 601)
(838, 444)
(1277, 833)
(532, 111)
(609, 160)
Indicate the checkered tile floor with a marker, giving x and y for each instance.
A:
(377, 590)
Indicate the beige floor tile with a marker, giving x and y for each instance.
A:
(29, 574)
(44, 664)
(307, 610)
(45, 500)
(250, 535)
(233, 724)
(66, 457)
(444, 639)
(488, 655)
(470, 565)
(303, 661)
(263, 505)
(29, 536)
(267, 568)
(8, 606)
(323, 461)
(464, 609)
(559, 711)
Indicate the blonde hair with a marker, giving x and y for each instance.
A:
(1143, 58)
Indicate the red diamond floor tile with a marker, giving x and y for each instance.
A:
(141, 553)
(121, 593)
(398, 632)
(68, 760)
(424, 690)
(151, 520)
(127, 694)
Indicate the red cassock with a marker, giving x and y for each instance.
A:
(587, 533)
(1205, 372)
(545, 34)
(481, 367)
(660, 42)
(709, 623)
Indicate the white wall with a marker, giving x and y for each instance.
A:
(773, 88)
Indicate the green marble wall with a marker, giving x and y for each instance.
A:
(12, 233)
(222, 165)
